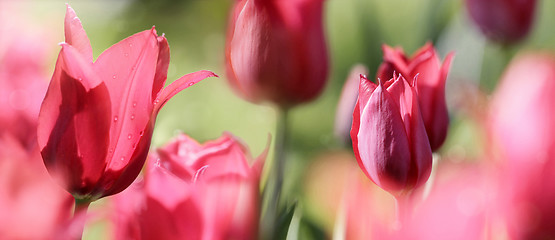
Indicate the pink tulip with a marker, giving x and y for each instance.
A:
(193, 191)
(96, 121)
(522, 127)
(389, 137)
(276, 51)
(430, 86)
(32, 206)
(502, 21)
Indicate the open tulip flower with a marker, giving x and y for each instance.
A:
(430, 86)
(97, 119)
(193, 191)
(389, 137)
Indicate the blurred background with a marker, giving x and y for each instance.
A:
(355, 31)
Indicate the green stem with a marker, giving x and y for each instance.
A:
(274, 184)
(79, 217)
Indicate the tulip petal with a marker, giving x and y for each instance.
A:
(75, 34)
(179, 85)
(161, 66)
(128, 69)
(74, 112)
(383, 143)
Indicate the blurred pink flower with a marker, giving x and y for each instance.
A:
(430, 86)
(455, 208)
(389, 137)
(347, 102)
(503, 21)
(276, 51)
(96, 121)
(193, 191)
(32, 205)
(522, 127)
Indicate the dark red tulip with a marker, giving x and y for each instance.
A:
(430, 86)
(503, 21)
(96, 121)
(276, 51)
(193, 191)
(389, 137)
(521, 128)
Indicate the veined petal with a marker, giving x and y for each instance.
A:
(75, 34)
(179, 85)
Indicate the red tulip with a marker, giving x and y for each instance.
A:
(502, 21)
(276, 51)
(522, 127)
(389, 137)
(430, 86)
(193, 191)
(96, 121)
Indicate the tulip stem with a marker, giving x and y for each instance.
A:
(79, 218)
(274, 184)
(402, 210)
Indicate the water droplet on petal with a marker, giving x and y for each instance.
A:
(131, 45)
(129, 136)
(115, 118)
(122, 159)
(191, 83)
(80, 79)
(132, 116)
(114, 76)
(141, 133)
(111, 150)
(134, 104)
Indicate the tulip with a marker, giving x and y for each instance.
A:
(521, 127)
(504, 21)
(32, 205)
(193, 191)
(97, 118)
(430, 86)
(276, 51)
(389, 137)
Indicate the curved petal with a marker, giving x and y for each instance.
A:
(179, 85)
(75, 34)
(161, 66)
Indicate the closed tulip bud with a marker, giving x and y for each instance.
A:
(389, 137)
(276, 51)
(193, 191)
(97, 118)
(430, 86)
(503, 21)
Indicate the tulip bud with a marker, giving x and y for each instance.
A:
(96, 120)
(503, 21)
(193, 191)
(275, 50)
(521, 128)
(389, 137)
(430, 85)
